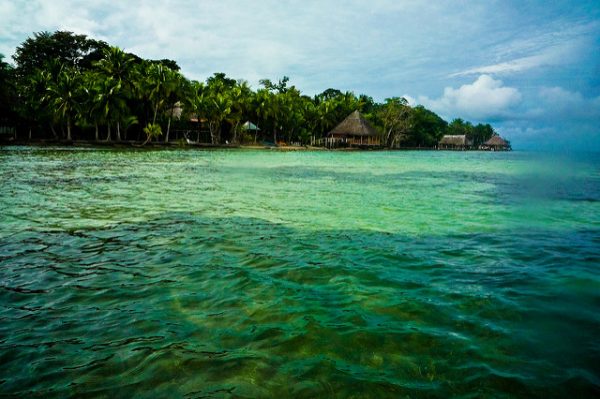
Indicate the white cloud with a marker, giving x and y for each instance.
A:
(557, 102)
(484, 98)
(517, 65)
(551, 46)
(411, 100)
(558, 119)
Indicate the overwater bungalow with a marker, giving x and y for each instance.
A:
(455, 142)
(353, 131)
(496, 143)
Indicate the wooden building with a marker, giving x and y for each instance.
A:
(496, 143)
(354, 131)
(455, 142)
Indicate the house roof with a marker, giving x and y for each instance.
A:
(460, 139)
(496, 141)
(249, 126)
(353, 125)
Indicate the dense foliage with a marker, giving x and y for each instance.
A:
(67, 86)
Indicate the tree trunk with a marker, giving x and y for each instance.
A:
(155, 112)
(118, 131)
(54, 132)
(235, 129)
(69, 128)
(275, 135)
(97, 132)
(387, 137)
(168, 129)
(214, 137)
(108, 131)
(29, 133)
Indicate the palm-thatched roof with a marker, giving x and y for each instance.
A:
(458, 140)
(249, 126)
(353, 125)
(496, 141)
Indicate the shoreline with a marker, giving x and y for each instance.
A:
(207, 146)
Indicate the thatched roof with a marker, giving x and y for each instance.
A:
(176, 110)
(353, 125)
(496, 141)
(249, 126)
(460, 139)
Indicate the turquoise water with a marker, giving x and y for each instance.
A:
(183, 273)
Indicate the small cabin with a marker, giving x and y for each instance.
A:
(496, 143)
(353, 131)
(455, 142)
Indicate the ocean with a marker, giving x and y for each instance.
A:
(254, 274)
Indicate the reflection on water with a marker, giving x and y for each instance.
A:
(256, 274)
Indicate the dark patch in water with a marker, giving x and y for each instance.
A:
(364, 312)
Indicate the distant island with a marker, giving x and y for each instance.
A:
(68, 88)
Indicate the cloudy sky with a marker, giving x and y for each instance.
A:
(530, 68)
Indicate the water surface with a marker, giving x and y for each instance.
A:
(183, 273)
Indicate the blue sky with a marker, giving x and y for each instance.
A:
(530, 68)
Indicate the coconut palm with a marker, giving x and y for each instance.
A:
(33, 106)
(176, 89)
(240, 100)
(194, 101)
(218, 108)
(110, 105)
(87, 115)
(152, 130)
(117, 64)
(62, 97)
(161, 85)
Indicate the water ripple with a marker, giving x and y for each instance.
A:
(114, 283)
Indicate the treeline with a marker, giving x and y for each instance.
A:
(67, 87)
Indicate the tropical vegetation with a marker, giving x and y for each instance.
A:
(65, 86)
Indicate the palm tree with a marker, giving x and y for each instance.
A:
(240, 99)
(152, 130)
(119, 68)
(218, 103)
(160, 86)
(194, 101)
(175, 91)
(156, 84)
(34, 101)
(87, 115)
(218, 108)
(117, 64)
(261, 108)
(62, 96)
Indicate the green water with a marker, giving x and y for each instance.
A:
(304, 274)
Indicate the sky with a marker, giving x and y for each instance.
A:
(529, 68)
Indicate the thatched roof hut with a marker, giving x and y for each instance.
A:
(455, 141)
(353, 126)
(496, 143)
(249, 126)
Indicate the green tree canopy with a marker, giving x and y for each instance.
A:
(77, 51)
